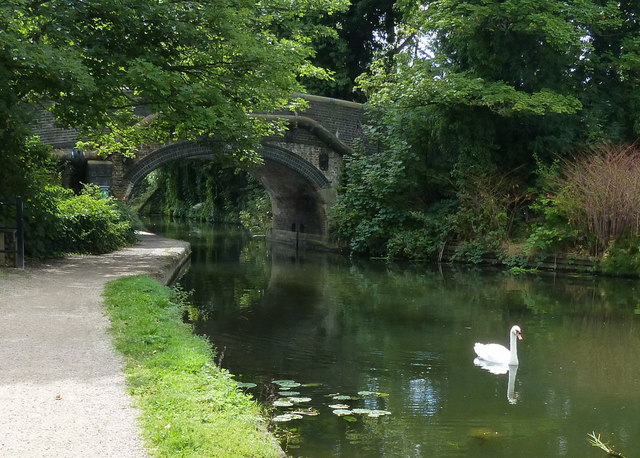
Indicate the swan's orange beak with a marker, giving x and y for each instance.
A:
(519, 335)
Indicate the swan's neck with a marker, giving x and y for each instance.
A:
(513, 349)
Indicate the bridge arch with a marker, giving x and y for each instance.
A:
(300, 194)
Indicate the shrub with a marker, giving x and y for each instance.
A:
(256, 217)
(622, 258)
(59, 222)
(600, 192)
(91, 223)
(552, 232)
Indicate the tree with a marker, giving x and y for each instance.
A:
(480, 90)
(347, 52)
(199, 69)
(510, 79)
(199, 66)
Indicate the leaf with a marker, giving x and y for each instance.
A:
(339, 406)
(286, 417)
(287, 383)
(282, 403)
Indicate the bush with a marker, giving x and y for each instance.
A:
(600, 192)
(622, 258)
(552, 232)
(91, 223)
(60, 222)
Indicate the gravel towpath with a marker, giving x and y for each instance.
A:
(62, 387)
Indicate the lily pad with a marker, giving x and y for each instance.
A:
(282, 403)
(342, 412)
(349, 418)
(286, 417)
(296, 400)
(246, 385)
(341, 397)
(339, 406)
(310, 412)
(288, 393)
(373, 393)
(378, 413)
(287, 383)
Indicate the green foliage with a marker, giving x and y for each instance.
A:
(482, 94)
(349, 46)
(622, 258)
(427, 235)
(256, 217)
(209, 191)
(551, 232)
(60, 222)
(201, 67)
(190, 406)
(517, 271)
(373, 203)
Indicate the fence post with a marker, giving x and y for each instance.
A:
(19, 233)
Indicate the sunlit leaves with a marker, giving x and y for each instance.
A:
(200, 66)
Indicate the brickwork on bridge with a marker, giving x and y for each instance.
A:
(326, 160)
(345, 120)
(52, 134)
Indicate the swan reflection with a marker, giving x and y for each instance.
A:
(500, 369)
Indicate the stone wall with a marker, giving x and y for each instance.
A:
(51, 134)
(330, 165)
(345, 120)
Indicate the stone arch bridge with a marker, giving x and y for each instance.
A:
(300, 172)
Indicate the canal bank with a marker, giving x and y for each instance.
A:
(62, 387)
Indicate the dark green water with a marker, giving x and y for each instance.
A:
(408, 332)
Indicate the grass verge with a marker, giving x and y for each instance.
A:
(190, 407)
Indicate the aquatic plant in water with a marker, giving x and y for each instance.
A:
(291, 398)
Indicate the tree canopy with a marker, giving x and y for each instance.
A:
(474, 100)
(200, 66)
(532, 76)
(365, 28)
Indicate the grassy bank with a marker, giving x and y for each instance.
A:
(189, 406)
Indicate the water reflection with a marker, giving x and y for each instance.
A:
(423, 397)
(512, 396)
(404, 331)
(501, 369)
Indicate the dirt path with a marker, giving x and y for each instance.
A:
(62, 388)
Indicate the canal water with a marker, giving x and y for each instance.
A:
(381, 356)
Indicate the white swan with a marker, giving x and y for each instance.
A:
(497, 354)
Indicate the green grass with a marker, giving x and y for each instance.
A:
(190, 407)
